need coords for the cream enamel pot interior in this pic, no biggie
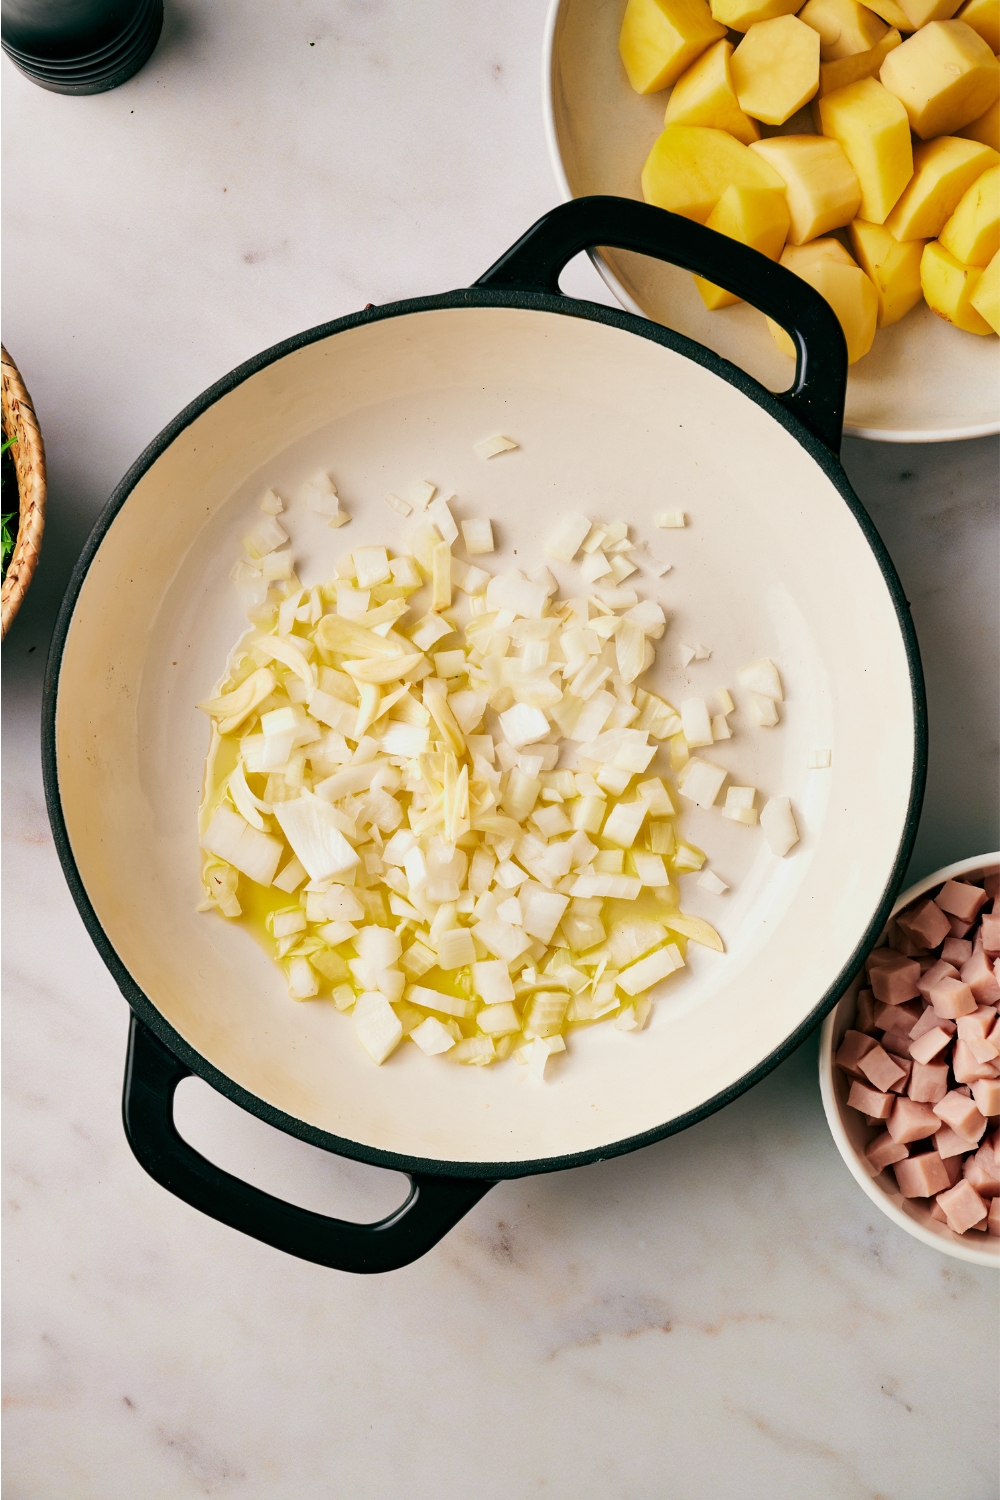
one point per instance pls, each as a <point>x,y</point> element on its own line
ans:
<point>614,415</point>
<point>921,382</point>
<point>852,1134</point>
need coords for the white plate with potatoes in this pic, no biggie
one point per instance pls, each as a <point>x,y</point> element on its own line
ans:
<point>922,379</point>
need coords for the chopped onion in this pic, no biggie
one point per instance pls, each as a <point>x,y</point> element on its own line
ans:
<point>477,534</point>
<point>818,760</point>
<point>490,447</point>
<point>778,823</point>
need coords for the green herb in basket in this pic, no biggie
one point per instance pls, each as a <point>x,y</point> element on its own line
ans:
<point>8,521</point>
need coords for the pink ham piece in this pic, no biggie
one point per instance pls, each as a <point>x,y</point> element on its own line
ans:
<point>897,1017</point>
<point>991,884</point>
<point>925,923</point>
<point>977,1027</point>
<point>966,1066</point>
<point>928,1022</point>
<point>938,1213</point>
<point>963,1206</point>
<point>989,931</point>
<point>981,1171</point>
<point>930,977</point>
<point>883,1151</point>
<point>880,1069</point>
<point>948,1143</point>
<point>895,980</point>
<point>928,1082</point>
<point>929,1044</point>
<point>958,927</point>
<point>951,998</point>
<point>921,1176</point>
<point>877,1106</point>
<point>902,1084</point>
<point>986,1093</point>
<point>993,1220</point>
<point>961,1114</point>
<point>864,1019</point>
<point>878,956</point>
<point>910,1121</point>
<point>978,974</point>
<point>961,900</point>
<point>852,1049</point>
<point>956,951</point>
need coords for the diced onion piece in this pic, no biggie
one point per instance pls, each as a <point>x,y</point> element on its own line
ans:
<point>569,536</point>
<point>701,781</point>
<point>401,507</point>
<point>763,711</point>
<point>499,1020</point>
<point>231,838</point>
<point>378,1027</point>
<point>523,725</point>
<point>455,948</point>
<point>443,519</point>
<point>432,1037</point>
<point>623,822</point>
<point>725,700</point>
<point>475,1051</point>
<point>271,503</point>
<point>371,564</point>
<point>762,677</point>
<point>594,566</point>
<point>709,881</point>
<point>720,728</point>
<point>423,493</point>
<point>447,1005</point>
<point>477,534</point>
<point>818,760</point>
<point>310,826</point>
<point>778,823</point>
<point>687,654</point>
<point>696,723</point>
<point>291,877</point>
<point>670,519</point>
<point>640,976</point>
<point>302,980</point>
<point>739,806</point>
<point>265,537</point>
<point>649,617</point>
<point>490,447</point>
<point>429,629</point>
<point>468,579</point>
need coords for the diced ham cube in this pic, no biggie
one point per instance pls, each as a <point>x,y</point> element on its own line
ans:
<point>978,974</point>
<point>921,1176</point>
<point>948,1142</point>
<point>908,947</point>
<point>981,1171</point>
<point>989,930</point>
<point>928,1022</point>
<point>925,923</point>
<point>928,1082</point>
<point>897,1016</point>
<point>963,1206</point>
<point>961,1114</point>
<point>895,980</point>
<point>871,1102</point>
<point>939,970</point>
<point>966,1066</point>
<point>978,1026</point>
<point>953,1164</point>
<point>929,1044</point>
<point>937,1212</point>
<point>902,1084</point>
<point>878,956</point>
<point>880,1069</point>
<point>864,1017</point>
<point>851,1050</point>
<point>986,1093</point>
<point>952,998</point>
<point>911,1121</point>
<point>956,951</point>
<point>991,884</point>
<point>958,927</point>
<point>983,1051</point>
<point>993,1219</point>
<point>961,900</point>
<point>883,1151</point>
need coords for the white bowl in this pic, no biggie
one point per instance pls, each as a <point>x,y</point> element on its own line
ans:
<point>852,1134</point>
<point>922,382</point>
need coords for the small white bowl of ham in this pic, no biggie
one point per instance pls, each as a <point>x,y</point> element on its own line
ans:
<point>910,1064</point>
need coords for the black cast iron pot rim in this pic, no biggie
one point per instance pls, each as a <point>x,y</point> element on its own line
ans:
<point>477,297</point>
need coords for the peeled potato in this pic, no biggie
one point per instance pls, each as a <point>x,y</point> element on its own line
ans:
<point>757,217</point>
<point>776,69</point>
<point>704,95</point>
<point>986,128</point>
<point>972,234</point>
<point>845,70</point>
<point>892,268</point>
<point>921,12</point>
<point>986,296</point>
<point>871,125</point>
<point>821,186</point>
<point>949,286</point>
<point>691,166</point>
<point>845,27</point>
<point>942,172</point>
<point>843,284</point>
<point>945,76</point>
<point>984,17</point>
<point>892,13</point>
<point>660,38</point>
<point>740,15</point>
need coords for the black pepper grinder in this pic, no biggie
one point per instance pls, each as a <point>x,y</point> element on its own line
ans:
<point>80,46</point>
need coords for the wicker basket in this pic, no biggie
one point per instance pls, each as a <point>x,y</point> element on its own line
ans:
<point>28,453</point>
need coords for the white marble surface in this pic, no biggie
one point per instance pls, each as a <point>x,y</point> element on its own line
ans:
<point>720,1315</point>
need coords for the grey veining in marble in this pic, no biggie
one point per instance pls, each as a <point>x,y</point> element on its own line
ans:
<point>723,1314</point>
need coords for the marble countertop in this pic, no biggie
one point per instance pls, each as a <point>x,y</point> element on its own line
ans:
<point>723,1314</point>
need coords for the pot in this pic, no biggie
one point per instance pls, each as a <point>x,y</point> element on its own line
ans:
<point>615,415</point>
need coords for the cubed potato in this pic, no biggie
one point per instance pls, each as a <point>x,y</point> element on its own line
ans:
<point>943,170</point>
<point>705,95</point>
<point>871,125</point>
<point>740,15</point>
<point>690,167</point>
<point>945,76</point>
<point>984,17</point>
<point>660,38</point>
<point>776,69</point>
<point>921,12</point>
<point>757,217</point>
<point>837,75</point>
<point>949,286</point>
<point>821,186</point>
<point>986,128</point>
<point>972,234</point>
<point>845,27</point>
<point>892,13</point>
<point>892,268</point>
<point>827,266</point>
<point>986,296</point>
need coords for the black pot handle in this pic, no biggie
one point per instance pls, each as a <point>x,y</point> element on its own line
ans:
<point>817,393</point>
<point>434,1206</point>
